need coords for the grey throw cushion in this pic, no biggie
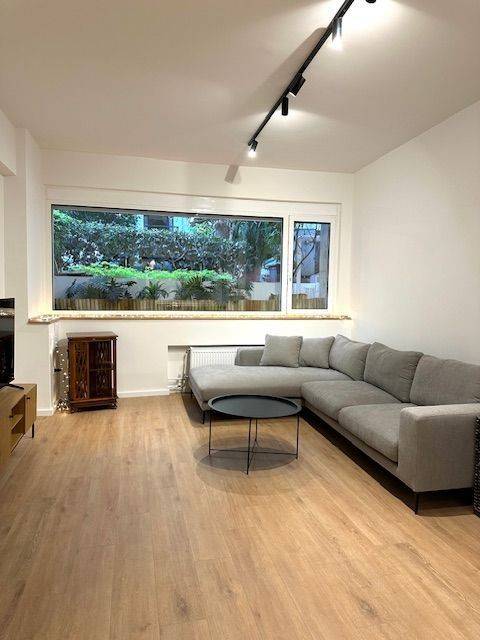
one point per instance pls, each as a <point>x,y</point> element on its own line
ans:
<point>281,351</point>
<point>315,352</point>
<point>349,357</point>
<point>391,370</point>
<point>439,381</point>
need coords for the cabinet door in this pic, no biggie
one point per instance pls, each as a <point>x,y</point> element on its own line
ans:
<point>30,407</point>
<point>78,369</point>
<point>4,438</point>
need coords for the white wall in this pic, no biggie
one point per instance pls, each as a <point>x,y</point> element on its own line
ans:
<point>25,244</point>
<point>416,256</point>
<point>2,239</point>
<point>143,345</point>
<point>8,161</point>
<point>8,165</point>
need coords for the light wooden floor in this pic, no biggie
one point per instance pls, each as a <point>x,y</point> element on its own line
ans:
<point>115,525</point>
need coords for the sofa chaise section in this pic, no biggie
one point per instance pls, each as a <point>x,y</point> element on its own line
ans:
<point>211,381</point>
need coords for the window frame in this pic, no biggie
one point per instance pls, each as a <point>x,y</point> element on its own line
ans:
<point>289,212</point>
<point>332,220</point>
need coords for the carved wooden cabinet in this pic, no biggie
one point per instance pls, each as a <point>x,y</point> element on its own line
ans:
<point>92,366</point>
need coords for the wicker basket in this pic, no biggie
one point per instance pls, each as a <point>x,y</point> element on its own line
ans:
<point>476,480</point>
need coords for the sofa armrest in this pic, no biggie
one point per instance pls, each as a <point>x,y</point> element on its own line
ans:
<point>249,356</point>
<point>436,446</point>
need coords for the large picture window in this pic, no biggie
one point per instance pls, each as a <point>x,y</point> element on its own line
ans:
<point>110,259</point>
<point>201,259</point>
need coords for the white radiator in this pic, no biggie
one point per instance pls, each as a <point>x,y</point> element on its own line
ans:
<point>202,356</point>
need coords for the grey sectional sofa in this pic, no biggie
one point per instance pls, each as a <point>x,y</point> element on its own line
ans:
<point>413,414</point>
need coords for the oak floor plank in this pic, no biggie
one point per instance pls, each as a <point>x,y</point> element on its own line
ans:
<point>116,525</point>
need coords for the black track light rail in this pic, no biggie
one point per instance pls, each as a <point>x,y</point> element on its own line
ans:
<point>325,36</point>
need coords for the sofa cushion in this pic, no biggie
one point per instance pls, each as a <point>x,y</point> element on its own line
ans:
<point>377,425</point>
<point>315,352</point>
<point>440,381</point>
<point>349,357</point>
<point>211,381</point>
<point>391,370</point>
<point>332,396</point>
<point>281,351</point>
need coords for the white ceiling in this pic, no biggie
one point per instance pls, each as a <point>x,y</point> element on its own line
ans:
<point>191,80</point>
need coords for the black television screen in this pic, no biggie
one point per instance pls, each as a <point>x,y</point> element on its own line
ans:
<point>7,340</point>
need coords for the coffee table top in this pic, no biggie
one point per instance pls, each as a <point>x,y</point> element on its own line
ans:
<point>255,406</point>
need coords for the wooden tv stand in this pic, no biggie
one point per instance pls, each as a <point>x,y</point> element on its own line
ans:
<point>18,412</point>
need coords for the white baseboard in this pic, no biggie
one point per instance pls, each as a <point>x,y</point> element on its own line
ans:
<point>144,393</point>
<point>46,411</point>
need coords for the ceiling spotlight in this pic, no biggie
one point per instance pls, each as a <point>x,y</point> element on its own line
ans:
<point>337,35</point>
<point>296,85</point>
<point>371,1</point>
<point>252,152</point>
<point>285,106</point>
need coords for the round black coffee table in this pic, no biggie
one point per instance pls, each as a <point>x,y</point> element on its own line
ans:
<point>254,407</point>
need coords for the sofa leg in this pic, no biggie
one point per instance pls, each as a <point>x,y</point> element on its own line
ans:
<point>203,416</point>
<point>416,502</point>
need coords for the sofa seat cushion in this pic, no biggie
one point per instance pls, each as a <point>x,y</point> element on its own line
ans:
<point>377,425</point>
<point>211,381</point>
<point>332,396</point>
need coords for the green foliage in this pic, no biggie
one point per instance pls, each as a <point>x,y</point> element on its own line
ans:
<point>262,239</point>
<point>100,287</point>
<point>194,287</point>
<point>116,271</point>
<point>153,291</point>
<point>90,242</point>
<point>222,290</point>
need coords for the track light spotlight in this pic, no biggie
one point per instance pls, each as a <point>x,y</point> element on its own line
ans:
<point>337,34</point>
<point>333,31</point>
<point>296,85</point>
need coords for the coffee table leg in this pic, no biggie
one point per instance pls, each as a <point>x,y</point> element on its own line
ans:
<point>248,448</point>
<point>210,434</point>
<point>298,433</point>
<point>256,431</point>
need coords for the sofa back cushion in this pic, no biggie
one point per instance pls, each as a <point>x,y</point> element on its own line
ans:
<point>439,381</point>
<point>349,357</point>
<point>391,370</point>
<point>315,352</point>
<point>281,351</point>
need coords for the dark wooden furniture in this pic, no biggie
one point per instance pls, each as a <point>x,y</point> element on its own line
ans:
<point>92,366</point>
<point>18,412</point>
<point>476,479</point>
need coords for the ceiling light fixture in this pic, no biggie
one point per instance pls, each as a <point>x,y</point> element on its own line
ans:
<point>337,35</point>
<point>294,86</point>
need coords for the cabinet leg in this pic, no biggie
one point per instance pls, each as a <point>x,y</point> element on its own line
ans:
<point>33,430</point>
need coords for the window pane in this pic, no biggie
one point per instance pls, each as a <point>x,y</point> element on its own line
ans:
<point>141,260</point>
<point>311,249</point>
